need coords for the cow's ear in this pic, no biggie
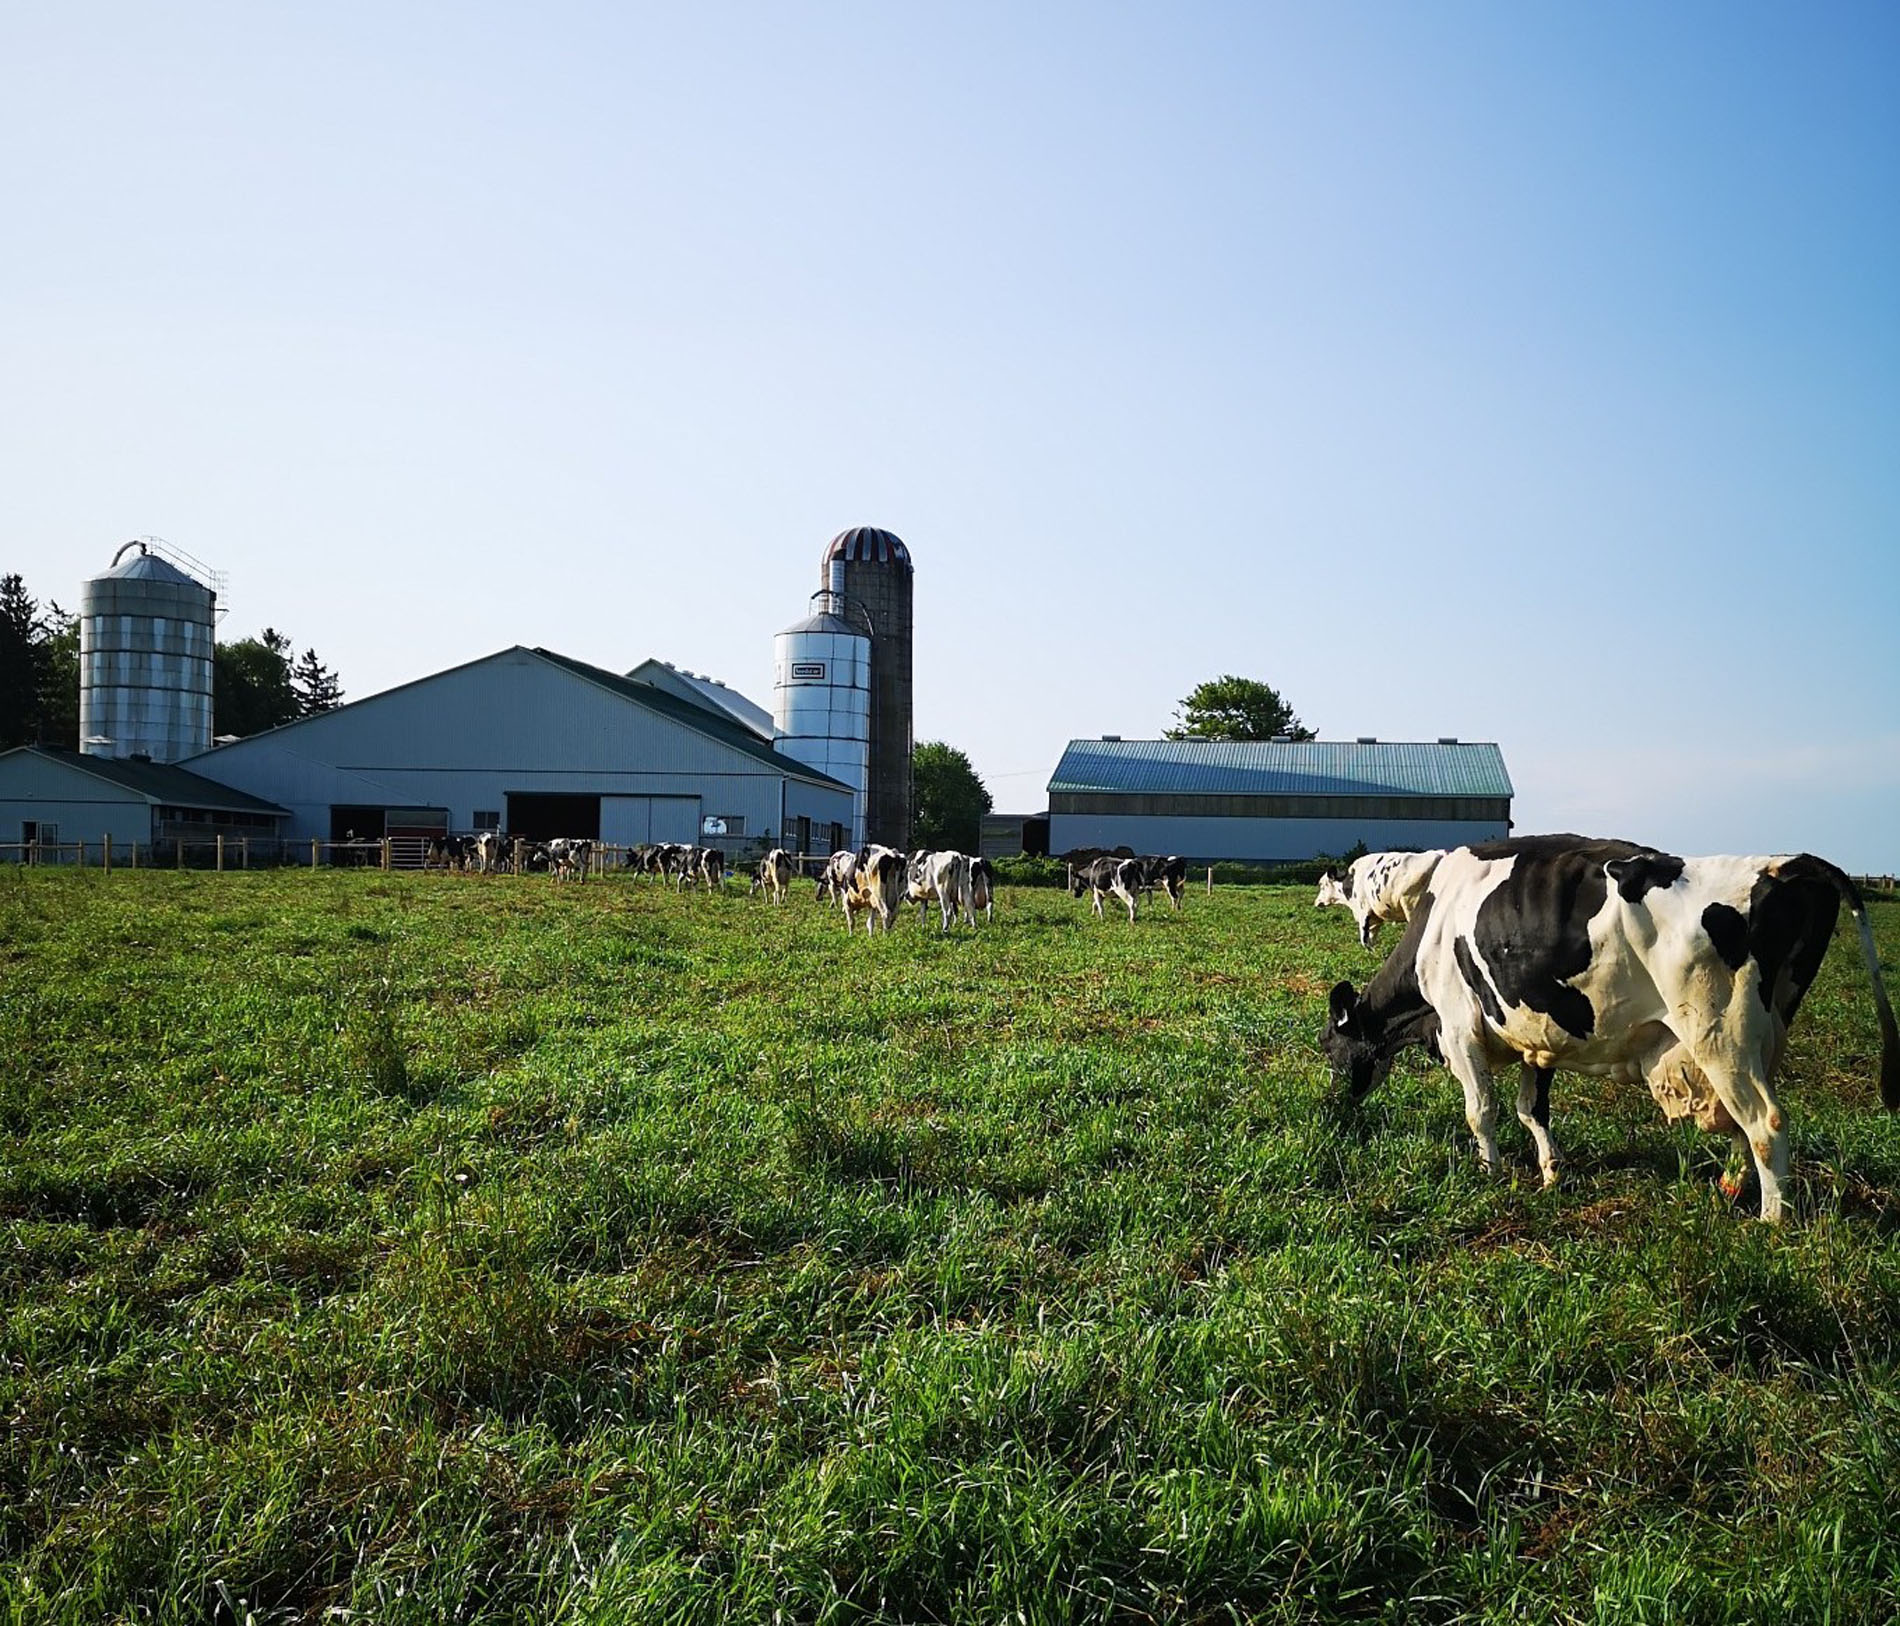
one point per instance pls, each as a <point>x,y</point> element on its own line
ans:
<point>1342,1002</point>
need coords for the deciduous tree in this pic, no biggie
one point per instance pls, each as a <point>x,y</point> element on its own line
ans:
<point>1236,708</point>
<point>949,798</point>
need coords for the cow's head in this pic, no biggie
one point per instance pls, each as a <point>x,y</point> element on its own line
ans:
<point>1330,891</point>
<point>1077,885</point>
<point>1354,1042</point>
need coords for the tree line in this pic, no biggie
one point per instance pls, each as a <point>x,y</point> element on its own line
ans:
<point>257,683</point>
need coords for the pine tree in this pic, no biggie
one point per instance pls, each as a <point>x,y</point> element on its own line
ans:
<point>21,629</point>
<point>315,685</point>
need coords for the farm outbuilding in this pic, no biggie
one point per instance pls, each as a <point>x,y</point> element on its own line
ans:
<point>51,797</point>
<point>538,745</point>
<point>1277,801</point>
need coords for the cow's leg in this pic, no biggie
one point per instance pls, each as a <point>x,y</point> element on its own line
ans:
<point>1466,1061</point>
<point>1533,1112</point>
<point>1368,929</point>
<point>1759,1124</point>
<point>1129,899</point>
<point>1096,898</point>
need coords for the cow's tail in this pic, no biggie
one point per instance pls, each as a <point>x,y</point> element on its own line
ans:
<point>1889,1032</point>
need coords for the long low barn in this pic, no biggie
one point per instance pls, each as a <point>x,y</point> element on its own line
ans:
<point>1276,801</point>
<point>539,745</point>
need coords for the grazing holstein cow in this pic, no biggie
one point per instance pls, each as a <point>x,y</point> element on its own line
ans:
<point>1379,887</point>
<point>839,868</point>
<point>1607,958</point>
<point>983,887</point>
<point>875,888</point>
<point>1169,873</point>
<point>944,876</point>
<point>570,857</point>
<point>777,870</point>
<point>448,852</point>
<point>709,866</point>
<point>1107,877</point>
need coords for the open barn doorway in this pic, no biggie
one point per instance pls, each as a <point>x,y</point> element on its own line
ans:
<point>544,815</point>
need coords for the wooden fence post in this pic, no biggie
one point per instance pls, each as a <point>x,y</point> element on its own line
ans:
<point>179,848</point>
<point>313,852</point>
<point>385,852</point>
<point>244,852</point>
<point>135,855</point>
<point>1210,880</point>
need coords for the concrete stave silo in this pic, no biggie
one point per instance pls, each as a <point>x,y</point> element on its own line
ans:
<point>871,570</point>
<point>147,632</point>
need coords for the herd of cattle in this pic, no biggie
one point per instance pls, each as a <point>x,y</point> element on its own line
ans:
<point>1556,952</point>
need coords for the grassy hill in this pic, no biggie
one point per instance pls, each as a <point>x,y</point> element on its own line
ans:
<point>423,1248</point>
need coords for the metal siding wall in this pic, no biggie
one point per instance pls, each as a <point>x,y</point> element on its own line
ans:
<point>463,739</point>
<point>125,822</point>
<point>1265,840</point>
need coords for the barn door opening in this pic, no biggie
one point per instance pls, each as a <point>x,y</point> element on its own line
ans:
<point>544,815</point>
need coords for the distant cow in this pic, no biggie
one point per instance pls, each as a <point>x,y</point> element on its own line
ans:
<point>1607,958</point>
<point>488,851</point>
<point>570,857</point>
<point>448,852</point>
<point>839,869</point>
<point>1379,887</point>
<point>1169,873</point>
<point>983,886</point>
<point>776,871</point>
<point>1107,877</point>
<point>944,876</point>
<point>875,888</point>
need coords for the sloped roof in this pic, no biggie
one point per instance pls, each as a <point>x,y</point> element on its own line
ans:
<point>160,782</point>
<point>1295,768</point>
<point>694,686</point>
<point>703,719</point>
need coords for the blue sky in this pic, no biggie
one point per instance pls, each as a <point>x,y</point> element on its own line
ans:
<point>1516,373</point>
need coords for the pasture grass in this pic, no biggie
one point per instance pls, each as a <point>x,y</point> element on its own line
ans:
<point>419,1248</point>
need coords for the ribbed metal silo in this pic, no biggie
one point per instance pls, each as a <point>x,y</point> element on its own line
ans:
<point>871,569</point>
<point>821,698</point>
<point>146,634</point>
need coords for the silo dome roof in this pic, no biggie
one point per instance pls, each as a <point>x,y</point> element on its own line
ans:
<point>824,621</point>
<point>148,567</point>
<point>866,544</point>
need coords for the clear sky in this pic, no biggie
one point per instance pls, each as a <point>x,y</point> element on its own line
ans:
<point>1525,373</point>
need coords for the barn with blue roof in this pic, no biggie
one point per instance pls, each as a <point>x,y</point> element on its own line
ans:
<point>1276,801</point>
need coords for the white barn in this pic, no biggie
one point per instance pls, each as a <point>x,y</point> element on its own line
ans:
<point>1276,801</point>
<point>51,797</point>
<point>538,745</point>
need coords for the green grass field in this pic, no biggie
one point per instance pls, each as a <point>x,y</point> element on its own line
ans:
<point>418,1249</point>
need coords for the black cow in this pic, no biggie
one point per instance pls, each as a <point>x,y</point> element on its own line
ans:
<point>1169,873</point>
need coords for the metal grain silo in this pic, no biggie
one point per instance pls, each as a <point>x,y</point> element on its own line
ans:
<point>821,698</point>
<point>871,571</point>
<point>146,634</point>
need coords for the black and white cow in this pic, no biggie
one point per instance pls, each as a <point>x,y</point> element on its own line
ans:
<point>1379,887</point>
<point>1607,958</point>
<point>776,872</point>
<point>488,851</point>
<point>944,876</point>
<point>983,887</point>
<point>837,873</point>
<point>1107,877</point>
<point>449,852</point>
<point>1169,873</point>
<point>875,888</point>
<point>570,857</point>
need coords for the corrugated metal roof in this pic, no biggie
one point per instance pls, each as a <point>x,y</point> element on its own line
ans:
<point>1297,768</point>
<point>161,782</point>
<point>717,725</point>
<point>868,544</point>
